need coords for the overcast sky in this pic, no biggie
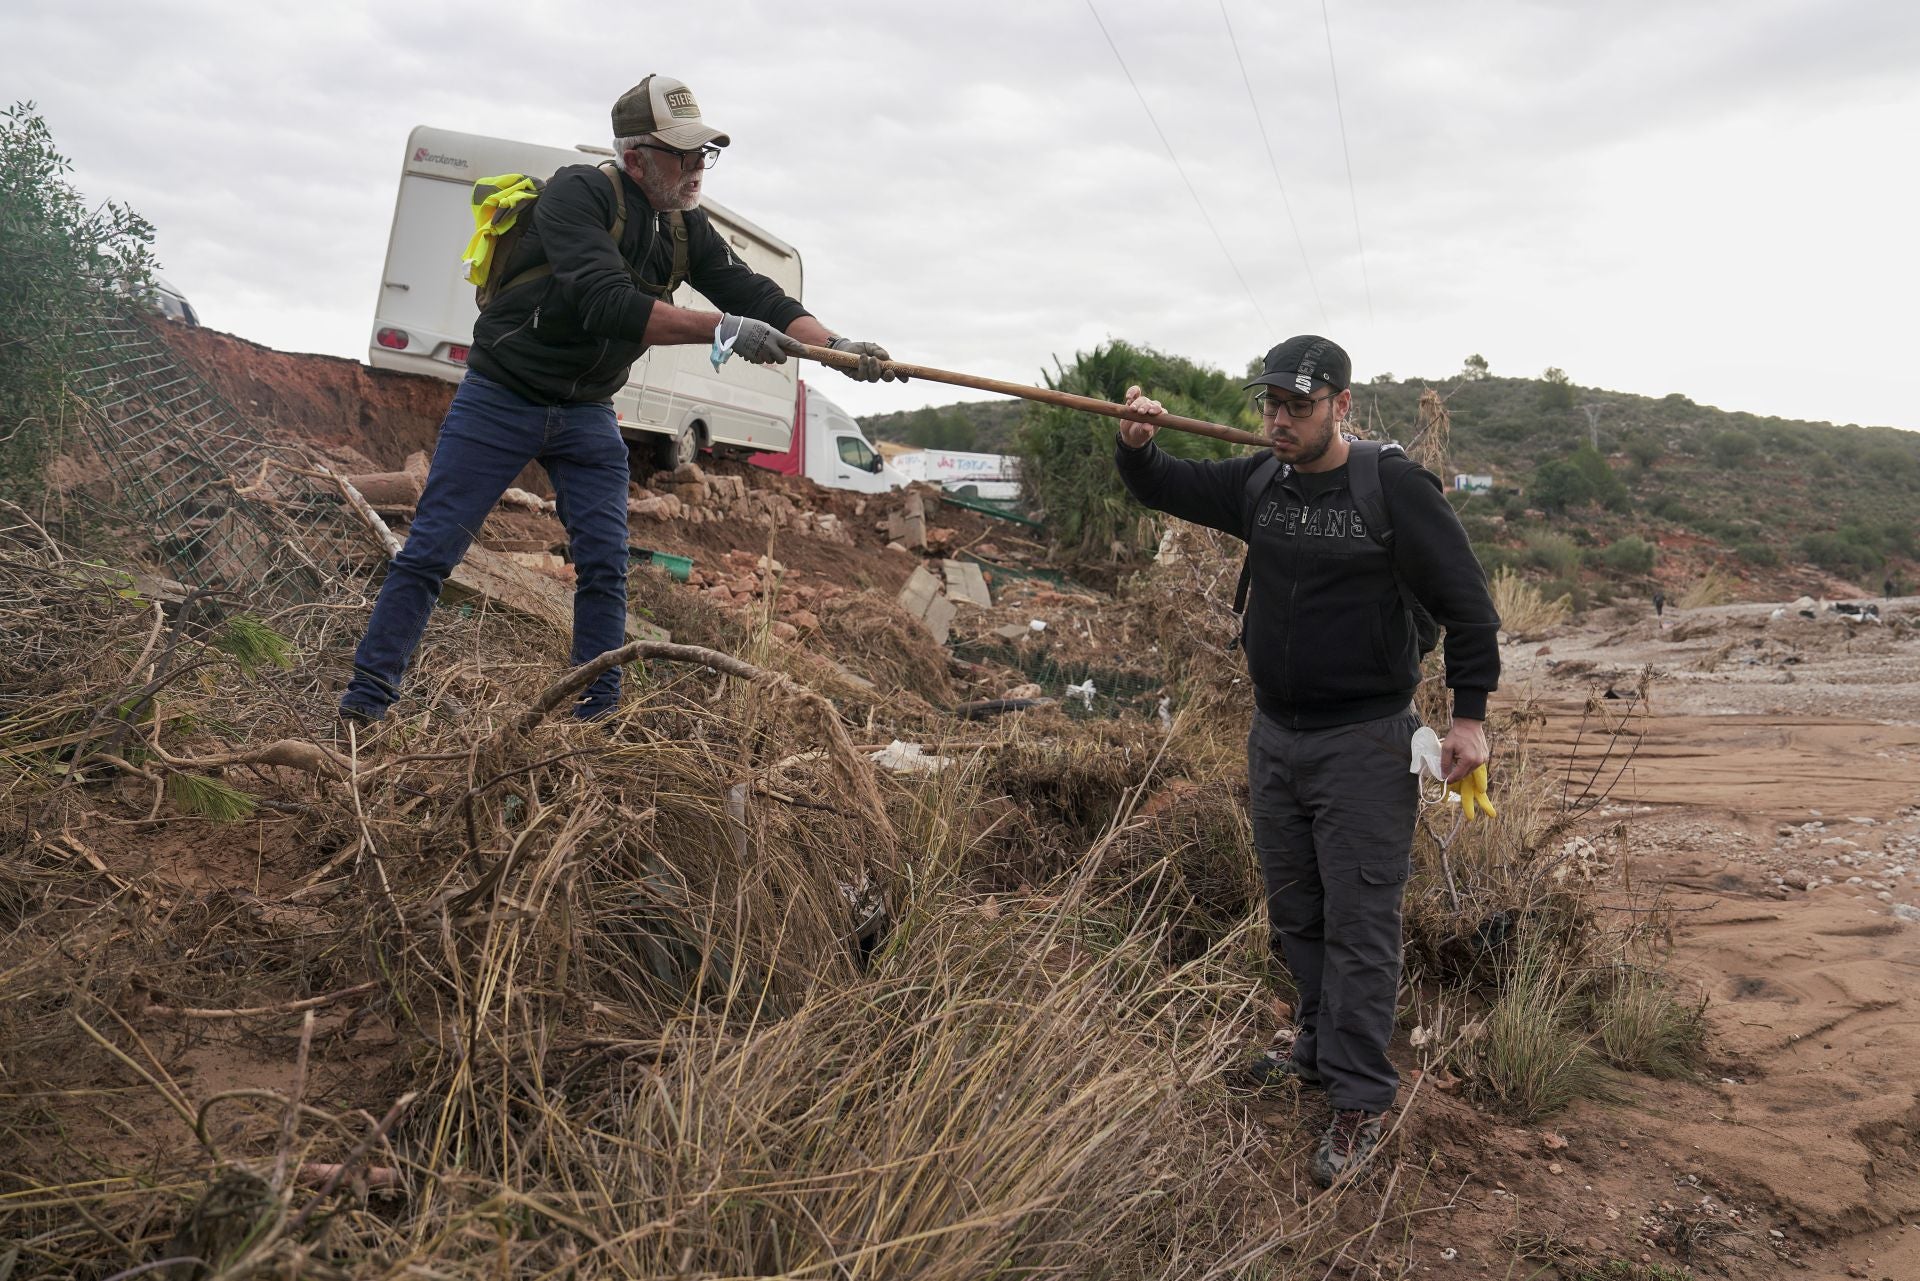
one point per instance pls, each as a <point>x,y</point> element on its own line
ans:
<point>1718,199</point>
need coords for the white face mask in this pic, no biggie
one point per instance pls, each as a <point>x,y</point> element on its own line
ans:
<point>1426,755</point>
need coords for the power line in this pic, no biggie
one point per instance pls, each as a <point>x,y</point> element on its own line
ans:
<point>1352,195</point>
<point>1274,164</point>
<point>1180,169</point>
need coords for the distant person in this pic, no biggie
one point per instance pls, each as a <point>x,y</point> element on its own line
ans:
<point>548,354</point>
<point>1887,589</point>
<point>1333,647</point>
<point>1659,602</point>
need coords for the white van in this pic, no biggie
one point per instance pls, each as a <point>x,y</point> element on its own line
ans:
<point>423,320</point>
<point>995,477</point>
<point>831,450</point>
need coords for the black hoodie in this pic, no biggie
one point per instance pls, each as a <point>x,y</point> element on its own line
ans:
<point>571,337</point>
<point>1329,639</point>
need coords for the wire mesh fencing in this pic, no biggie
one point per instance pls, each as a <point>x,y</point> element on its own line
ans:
<point>228,510</point>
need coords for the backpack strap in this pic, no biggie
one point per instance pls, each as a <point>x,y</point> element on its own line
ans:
<point>1363,483</point>
<point>682,251</point>
<point>676,226</point>
<point>1258,482</point>
<point>618,229</point>
<point>682,255</point>
<point>1370,497</point>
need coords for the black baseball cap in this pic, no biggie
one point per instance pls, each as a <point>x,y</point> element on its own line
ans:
<point>1298,363</point>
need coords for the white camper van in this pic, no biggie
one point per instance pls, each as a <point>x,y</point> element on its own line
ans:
<point>423,321</point>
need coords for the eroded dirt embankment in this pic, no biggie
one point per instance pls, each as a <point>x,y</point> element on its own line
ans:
<point>327,399</point>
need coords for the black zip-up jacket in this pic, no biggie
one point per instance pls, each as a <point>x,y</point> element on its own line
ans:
<point>571,337</point>
<point>1329,639</point>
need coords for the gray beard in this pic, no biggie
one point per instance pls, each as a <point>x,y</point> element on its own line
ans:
<point>666,198</point>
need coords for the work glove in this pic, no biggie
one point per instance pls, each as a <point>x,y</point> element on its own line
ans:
<point>1473,791</point>
<point>752,340</point>
<point>869,369</point>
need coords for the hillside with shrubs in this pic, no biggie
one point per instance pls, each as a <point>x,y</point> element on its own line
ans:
<point>1598,495</point>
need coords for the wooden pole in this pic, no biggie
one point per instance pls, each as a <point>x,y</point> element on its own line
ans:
<point>844,360</point>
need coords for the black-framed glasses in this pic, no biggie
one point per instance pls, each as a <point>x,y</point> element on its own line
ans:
<point>706,157</point>
<point>1269,404</point>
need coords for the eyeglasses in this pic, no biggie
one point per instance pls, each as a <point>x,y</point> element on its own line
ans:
<point>1269,404</point>
<point>705,158</point>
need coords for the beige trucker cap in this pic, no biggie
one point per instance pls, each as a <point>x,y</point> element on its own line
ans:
<point>664,107</point>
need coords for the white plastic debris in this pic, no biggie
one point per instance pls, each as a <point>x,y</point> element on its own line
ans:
<point>908,758</point>
<point>1165,712</point>
<point>1084,692</point>
<point>1038,625</point>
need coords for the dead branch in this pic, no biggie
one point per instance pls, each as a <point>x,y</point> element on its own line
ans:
<point>353,1160</point>
<point>255,1011</point>
<point>320,1172</point>
<point>58,556</point>
<point>287,753</point>
<point>389,542</point>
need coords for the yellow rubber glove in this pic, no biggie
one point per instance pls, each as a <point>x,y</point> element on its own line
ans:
<point>1473,791</point>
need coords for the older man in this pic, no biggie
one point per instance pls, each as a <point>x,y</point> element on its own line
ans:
<point>549,351</point>
<point>1344,537</point>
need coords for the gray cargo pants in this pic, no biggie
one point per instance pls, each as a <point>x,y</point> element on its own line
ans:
<point>1333,813</point>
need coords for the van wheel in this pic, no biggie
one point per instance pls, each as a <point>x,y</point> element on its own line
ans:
<point>677,449</point>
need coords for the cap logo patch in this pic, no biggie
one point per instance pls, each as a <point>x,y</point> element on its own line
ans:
<point>1303,383</point>
<point>681,106</point>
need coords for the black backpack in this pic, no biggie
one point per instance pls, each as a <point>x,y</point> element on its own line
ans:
<point>1363,482</point>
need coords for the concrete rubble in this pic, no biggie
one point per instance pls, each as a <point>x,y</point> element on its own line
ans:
<point>935,599</point>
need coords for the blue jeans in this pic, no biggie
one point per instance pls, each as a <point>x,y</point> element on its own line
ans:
<point>489,434</point>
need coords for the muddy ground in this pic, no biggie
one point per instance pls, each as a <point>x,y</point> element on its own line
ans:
<point>1773,801</point>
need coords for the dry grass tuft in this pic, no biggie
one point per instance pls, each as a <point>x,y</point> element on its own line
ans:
<point>1525,612</point>
<point>1711,588</point>
<point>1528,1056</point>
<point>1642,1025</point>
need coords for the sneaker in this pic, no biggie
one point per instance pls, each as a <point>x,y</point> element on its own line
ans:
<point>1346,1145</point>
<point>1273,1069</point>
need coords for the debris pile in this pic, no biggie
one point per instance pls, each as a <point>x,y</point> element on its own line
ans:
<point>692,495</point>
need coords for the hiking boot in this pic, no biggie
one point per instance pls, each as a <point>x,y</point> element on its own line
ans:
<point>1275,1069</point>
<point>1346,1145</point>
<point>354,729</point>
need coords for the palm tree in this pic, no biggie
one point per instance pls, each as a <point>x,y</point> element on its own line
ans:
<point>1067,457</point>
